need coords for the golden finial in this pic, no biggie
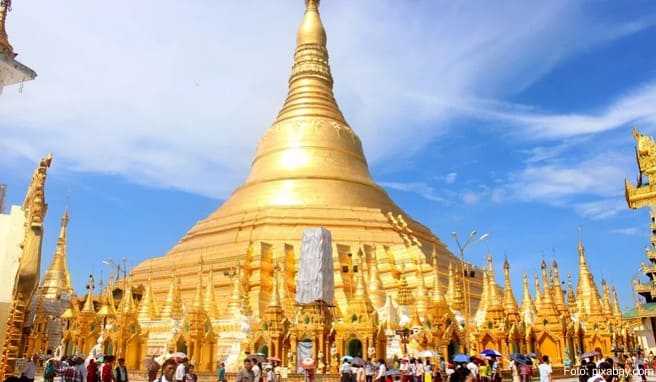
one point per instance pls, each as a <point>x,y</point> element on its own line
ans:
<point>617,311</point>
<point>173,304</point>
<point>588,301</point>
<point>423,300</point>
<point>528,309</point>
<point>376,290</point>
<point>311,84</point>
<point>275,294</point>
<point>235,303</point>
<point>57,279</point>
<point>494,302</point>
<point>438,300</point>
<point>127,301</point>
<point>509,302</point>
<point>606,299</point>
<point>556,288</point>
<point>148,307</point>
<point>404,296</point>
<point>209,302</point>
<point>88,306</point>
<point>481,312</point>
<point>538,291</point>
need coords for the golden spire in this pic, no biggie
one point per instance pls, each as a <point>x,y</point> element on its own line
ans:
<point>376,290</point>
<point>311,84</point>
<point>127,305</point>
<point>494,302</point>
<point>197,302</point>
<point>557,289</point>
<point>440,306</point>
<point>547,306</point>
<point>360,302</point>
<point>453,292</point>
<point>538,292</point>
<point>509,302</point>
<point>571,294</point>
<point>587,298</point>
<point>528,310</point>
<point>148,307</point>
<point>479,316</point>
<point>404,296</point>
<point>88,306</point>
<point>173,304</point>
<point>617,311</point>
<point>235,303</point>
<point>275,294</point>
<point>606,299</point>
<point>423,300</point>
<point>57,280</point>
<point>5,47</point>
<point>209,302</point>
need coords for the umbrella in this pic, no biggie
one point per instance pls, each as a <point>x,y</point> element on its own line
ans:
<point>532,355</point>
<point>392,372</point>
<point>490,353</point>
<point>426,354</point>
<point>460,358</point>
<point>589,354</point>
<point>357,361</point>
<point>520,358</point>
<point>347,358</point>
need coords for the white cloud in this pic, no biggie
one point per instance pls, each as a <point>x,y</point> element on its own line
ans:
<point>601,209</point>
<point>424,190</point>
<point>471,197</point>
<point>601,176</point>
<point>634,107</point>
<point>450,178</point>
<point>176,94</point>
<point>629,231</point>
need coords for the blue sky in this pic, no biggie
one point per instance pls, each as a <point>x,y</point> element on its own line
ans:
<point>512,118</point>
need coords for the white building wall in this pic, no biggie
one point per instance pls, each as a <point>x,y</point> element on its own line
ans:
<point>12,232</point>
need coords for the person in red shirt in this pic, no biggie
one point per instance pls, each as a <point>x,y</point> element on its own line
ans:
<point>92,370</point>
<point>107,370</point>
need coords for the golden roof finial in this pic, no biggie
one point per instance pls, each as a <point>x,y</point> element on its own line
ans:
<point>376,289</point>
<point>209,302</point>
<point>587,298</point>
<point>148,307</point>
<point>606,299</point>
<point>438,300</point>
<point>5,47</point>
<point>617,311</point>
<point>481,312</point>
<point>494,302</point>
<point>311,84</point>
<point>509,302</point>
<point>57,279</point>
<point>404,294</point>
<point>235,303</point>
<point>423,299</point>
<point>528,309</point>
<point>275,294</point>
<point>88,306</point>
<point>538,291</point>
<point>557,289</point>
<point>173,305</point>
<point>127,305</point>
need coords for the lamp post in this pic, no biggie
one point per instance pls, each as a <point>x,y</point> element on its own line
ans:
<point>471,239</point>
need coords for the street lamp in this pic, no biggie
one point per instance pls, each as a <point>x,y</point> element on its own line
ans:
<point>471,240</point>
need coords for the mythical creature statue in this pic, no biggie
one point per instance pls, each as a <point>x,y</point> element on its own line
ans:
<point>645,155</point>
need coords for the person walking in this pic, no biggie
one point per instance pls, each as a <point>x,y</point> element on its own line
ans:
<point>526,371</point>
<point>221,373</point>
<point>121,372</point>
<point>29,370</point>
<point>369,370</point>
<point>345,371</point>
<point>545,370</point>
<point>169,369</point>
<point>92,371</point>
<point>246,373</point>
<point>190,376</point>
<point>382,371</point>
<point>106,372</point>
<point>181,369</point>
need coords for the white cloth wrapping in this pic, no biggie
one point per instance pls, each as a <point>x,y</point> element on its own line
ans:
<point>314,281</point>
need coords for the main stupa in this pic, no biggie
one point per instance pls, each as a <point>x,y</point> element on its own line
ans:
<point>309,170</point>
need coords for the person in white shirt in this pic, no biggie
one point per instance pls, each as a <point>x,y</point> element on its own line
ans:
<point>181,370</point>
<point>257,371</point>
<point>473,368</point>
<point>382,370</point>
<point>545,369</point>
<point>29,371</point>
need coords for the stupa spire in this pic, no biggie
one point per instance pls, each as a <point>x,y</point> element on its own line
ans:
<point>376,290</point>
<point>148,307</point>
<point>528,310</point>
<point>538,292</point>
<point>235,303</point>
<point>440,307</point>
<point>311,83</point>
<point>571,294</point>
<point>275,294</point>
<point>587,298</point>
<point>453,292</point>
<point>173,305</point>
<point>127,301</point>
<point>423,299</point>
<point>404,296</point>
<point>617,311</point>
<point>57,279</point>
<point>209,302</point>
<point>494,302</point>
<point>88,306</point>
<point>197,302</point>
<point>509,302</point>
<point>557,289</point>
<point>606,299</point>
<point>479,316</point>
